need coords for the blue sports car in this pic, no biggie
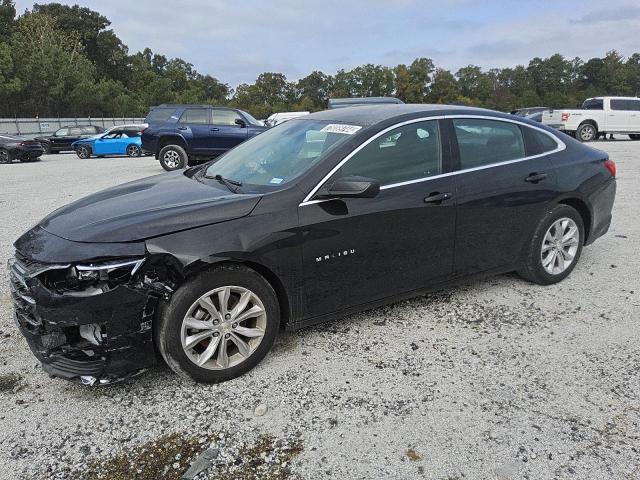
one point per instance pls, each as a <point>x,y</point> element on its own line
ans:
<point>124,141</point>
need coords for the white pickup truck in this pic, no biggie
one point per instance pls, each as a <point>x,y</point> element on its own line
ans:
<point>600,115</point>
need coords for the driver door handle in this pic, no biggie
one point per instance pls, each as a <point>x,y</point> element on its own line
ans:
<point>536,177</point>
<point>215,129</point>
<point>437,197</point>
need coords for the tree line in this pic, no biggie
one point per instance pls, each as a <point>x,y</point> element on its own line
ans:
<point>60,60</point>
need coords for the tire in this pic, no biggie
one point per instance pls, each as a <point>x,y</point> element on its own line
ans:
<point>47,148</point>
<point>171,332</point>
<point>83,151</point>
<point>545,236</point>
<point>134,151</point>
<point>587,132</point>
<point>173,157</point>
<point>634,136</point>
<point>5,158</point>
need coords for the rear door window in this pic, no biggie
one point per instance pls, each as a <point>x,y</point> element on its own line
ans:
<point>199,116</point>
<point>75,131</point>
<point>484,142</point>
<point>593,104</point>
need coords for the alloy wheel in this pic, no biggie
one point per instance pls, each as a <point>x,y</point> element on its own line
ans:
<point>132,151</point>
<point>4,156</point>
<point>560,246</point>
<point>171,159</point>
<point>587,133</point>
<point>223,327</point>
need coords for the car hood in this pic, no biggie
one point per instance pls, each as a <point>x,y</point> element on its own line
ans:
<point>147,208</point>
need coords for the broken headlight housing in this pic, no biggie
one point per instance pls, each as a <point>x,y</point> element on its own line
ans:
<point>93,278</point>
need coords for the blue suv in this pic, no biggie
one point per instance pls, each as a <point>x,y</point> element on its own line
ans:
<point>181,135</point>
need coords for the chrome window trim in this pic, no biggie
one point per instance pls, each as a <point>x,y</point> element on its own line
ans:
<point>561,146</point>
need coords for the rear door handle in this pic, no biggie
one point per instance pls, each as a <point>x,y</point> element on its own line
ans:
<point>536,177</point>
<point>183,128</point>
<point>215,129</point>
<point>437,197</point>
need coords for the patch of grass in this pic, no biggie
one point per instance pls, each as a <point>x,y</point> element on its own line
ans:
<point>170,456</point>
<point>155,460</point>
<point>9,382</point>
<point>413,455</point>
<point>264,460</point>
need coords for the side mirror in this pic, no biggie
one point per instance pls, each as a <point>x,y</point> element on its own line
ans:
<point>241,123</point>
<point>353,187</point>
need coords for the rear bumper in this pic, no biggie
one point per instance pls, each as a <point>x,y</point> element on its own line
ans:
<point>602,206</point>
<point>26,153</point>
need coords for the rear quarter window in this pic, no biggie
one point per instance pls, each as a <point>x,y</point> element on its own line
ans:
<point>538,142</point>
<point>159,115</point>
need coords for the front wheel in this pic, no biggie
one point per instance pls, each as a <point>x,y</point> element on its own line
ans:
<point>83,152</point>
<point>586,132</point>
<point>218,325</point>
<point>173,157</point>
<point>555,248</point>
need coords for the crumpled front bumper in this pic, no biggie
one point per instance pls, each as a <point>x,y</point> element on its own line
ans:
<point>96,339</point>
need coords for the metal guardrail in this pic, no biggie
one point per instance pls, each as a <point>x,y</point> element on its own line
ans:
<point>31,127</point>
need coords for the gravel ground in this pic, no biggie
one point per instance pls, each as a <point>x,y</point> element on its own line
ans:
<point>498,379</point>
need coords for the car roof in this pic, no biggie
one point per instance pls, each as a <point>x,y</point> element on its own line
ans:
<point>367,115</point>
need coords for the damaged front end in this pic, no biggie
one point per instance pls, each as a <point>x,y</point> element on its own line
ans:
<point>88,321</point>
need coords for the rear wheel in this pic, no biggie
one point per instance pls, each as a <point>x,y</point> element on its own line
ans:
<point>586,132</point>
<point>134,151</point>
<point>4,156</point>
<point>173,157</point>
<point>634,136</point>
<point>218,325</point>
<point>83,151</point>
<point>556,246</point>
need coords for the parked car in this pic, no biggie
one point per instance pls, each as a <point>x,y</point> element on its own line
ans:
<point>61,140</point>
<point>13,147</point>
<point>181,135</point>
<point>524,112</point>
<point>118,141</point>
<point>207,265</point>
<point>356,102</point>
<point>536,117</point>
<point>129,126</point>
<point>598,117</point>
<point>278,118</point>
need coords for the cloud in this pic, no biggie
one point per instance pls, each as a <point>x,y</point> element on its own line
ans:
<point>236,41</point>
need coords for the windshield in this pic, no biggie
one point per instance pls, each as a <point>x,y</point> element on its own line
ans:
<point>282,153</point>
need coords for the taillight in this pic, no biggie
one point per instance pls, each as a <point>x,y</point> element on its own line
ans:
<point>565,116</point>
<point>611,166</point>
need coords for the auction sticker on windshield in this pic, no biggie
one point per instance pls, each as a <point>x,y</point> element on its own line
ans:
<point>341,128</point>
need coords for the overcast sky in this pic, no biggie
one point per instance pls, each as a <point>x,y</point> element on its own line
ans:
<point>237,40</point>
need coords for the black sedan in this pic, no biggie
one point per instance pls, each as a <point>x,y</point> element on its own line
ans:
<point>321,216</point>
<point>13,148</point>
<point>62,139</point>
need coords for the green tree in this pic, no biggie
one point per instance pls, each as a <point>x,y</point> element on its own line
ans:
<point>444,88</point>
<point>7,19</point>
